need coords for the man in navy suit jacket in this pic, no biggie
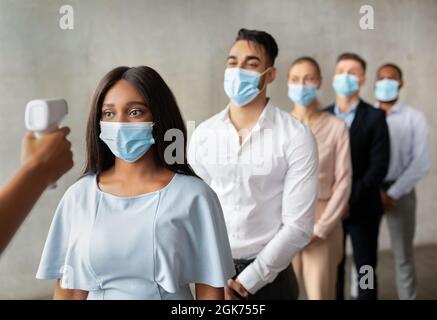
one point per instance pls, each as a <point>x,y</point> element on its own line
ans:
<point>370,149</point>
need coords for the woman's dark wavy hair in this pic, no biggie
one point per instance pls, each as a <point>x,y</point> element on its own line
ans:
<point>161,103</point>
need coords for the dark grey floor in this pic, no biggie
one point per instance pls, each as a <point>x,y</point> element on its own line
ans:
<point>426,268</point>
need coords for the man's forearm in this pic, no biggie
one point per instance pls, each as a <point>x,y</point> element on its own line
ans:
<point>410,177</point>
<point>274,258</point>
<point>17,199</point>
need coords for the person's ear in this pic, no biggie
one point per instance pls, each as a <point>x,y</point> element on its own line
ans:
<point>363,80</point>
<point>401,84</point>
<point>319,83</point>
<point>271,75</point>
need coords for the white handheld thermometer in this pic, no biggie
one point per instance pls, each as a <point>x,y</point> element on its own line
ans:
<point>43,116</point>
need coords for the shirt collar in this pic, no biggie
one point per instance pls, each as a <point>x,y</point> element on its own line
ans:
<point>396,107</point>
<point>266,115</point>
<point>352,110</point>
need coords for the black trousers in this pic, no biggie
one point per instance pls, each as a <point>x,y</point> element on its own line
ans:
<point>284,287</point>
<point>364,237</point>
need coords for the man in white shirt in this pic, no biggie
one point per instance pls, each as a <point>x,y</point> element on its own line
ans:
<point>409,162</point>
<point>263,164</point>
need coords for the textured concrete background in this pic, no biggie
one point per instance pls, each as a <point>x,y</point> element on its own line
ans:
<point>187,42</point>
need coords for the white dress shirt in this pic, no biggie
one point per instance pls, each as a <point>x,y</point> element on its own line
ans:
<point>267,187</point>
<point>409,149</point>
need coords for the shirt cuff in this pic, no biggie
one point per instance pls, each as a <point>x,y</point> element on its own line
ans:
<point>393,194</point>
<point>250,279</point>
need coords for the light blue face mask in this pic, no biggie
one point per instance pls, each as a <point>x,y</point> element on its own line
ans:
<point>241,85</point>
<point>346,84</point>
<point>302,95</point>
<point>128,141</point>
<point>386,90</point>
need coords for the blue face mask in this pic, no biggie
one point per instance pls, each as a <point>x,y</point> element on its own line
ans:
<point>302,95</point>
<point>128,141</point>
<point>386,90</point>
<point>346,84</point>
<point>241,85</point>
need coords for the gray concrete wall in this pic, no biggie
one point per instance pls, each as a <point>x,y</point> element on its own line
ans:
<point>187,42</point>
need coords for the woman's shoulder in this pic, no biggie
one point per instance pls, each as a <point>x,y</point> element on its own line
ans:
<point>81,187</point>
<point>334,123</point>
<point>187,199</point>
<point>193,185</point>
<point>334,120</point>
<point>189,192</point>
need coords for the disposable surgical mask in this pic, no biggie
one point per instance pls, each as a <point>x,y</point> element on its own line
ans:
<point>128,141</point>
<point>346,84</point>
<point>386,90</point>
<point>302,95</point>
<point>241,86</point>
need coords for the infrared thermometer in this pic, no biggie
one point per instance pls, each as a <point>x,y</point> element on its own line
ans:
<point>43,116</point>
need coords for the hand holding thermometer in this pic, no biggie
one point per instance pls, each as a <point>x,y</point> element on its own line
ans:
<point>43,116</point>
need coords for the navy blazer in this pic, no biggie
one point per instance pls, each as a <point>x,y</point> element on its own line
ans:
<point>370,151</point>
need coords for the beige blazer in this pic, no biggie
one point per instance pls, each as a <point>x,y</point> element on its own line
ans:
<point>335,172</point>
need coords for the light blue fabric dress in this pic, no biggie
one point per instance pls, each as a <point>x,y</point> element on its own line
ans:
<point>150,246</point>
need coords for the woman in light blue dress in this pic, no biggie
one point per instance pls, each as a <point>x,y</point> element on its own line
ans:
<point>139,224</point>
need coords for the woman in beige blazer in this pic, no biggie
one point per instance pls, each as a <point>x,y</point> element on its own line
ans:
<point>316,265</point>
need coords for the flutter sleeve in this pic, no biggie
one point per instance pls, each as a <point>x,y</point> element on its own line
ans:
<point>64,254</point>
<point>192,244</point>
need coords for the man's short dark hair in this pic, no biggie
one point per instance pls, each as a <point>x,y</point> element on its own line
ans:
<point>263,39</point>
<point>391,65</point>
<point>352,56</point>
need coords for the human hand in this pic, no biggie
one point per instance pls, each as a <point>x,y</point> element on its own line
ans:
<point>388,202</point>
<point>346,212</point>
<point>235,291</point>
<point>51,154</point>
